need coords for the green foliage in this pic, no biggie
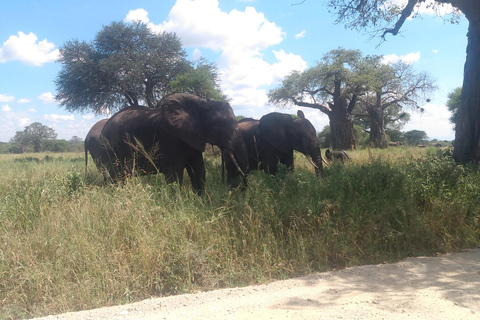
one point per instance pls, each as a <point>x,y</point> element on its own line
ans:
<point>125,64</point>
<point>35,135</point>
<point>201,81</point>
<point>69,243</point>
<point>324,137</point>
<point>453,103</point>
<point>415,137</point>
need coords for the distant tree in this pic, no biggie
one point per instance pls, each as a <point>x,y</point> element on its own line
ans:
<point>126,64</point>
<point>415,137</point>
<point>453,103</point>
<point>61,145</point>
<point>362,138</point>
<point>395,135</point>
<point>332,86</point>
<point>19,142</point>
<point>324,137</point>
<point>76,139</point>
<point>387,17</point>
<point>37,134</point>
<point>201,80</point>
<point>391,88</point>
<point>33,135</point>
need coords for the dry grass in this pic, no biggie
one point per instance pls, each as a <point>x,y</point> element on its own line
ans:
<point>69,243</point>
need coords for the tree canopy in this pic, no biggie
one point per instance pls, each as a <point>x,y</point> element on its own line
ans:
<point>344,81</point>
<point>391,89</point>
<point>128,64</point>
<point>35,134</point>
<point>383,17</point>
<point>331,86</point>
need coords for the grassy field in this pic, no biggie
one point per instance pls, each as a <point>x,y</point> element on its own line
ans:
<point>69,243</point>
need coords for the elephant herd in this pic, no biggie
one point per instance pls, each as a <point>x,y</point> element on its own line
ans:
<point>173,136</point>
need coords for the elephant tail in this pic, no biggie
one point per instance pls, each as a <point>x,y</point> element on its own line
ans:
<point>86,159</point>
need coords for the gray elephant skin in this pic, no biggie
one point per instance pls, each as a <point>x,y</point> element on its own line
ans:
<point>274,137</point>
<point>341,155</point>
<point>93,143</point>
<point>171,138</point>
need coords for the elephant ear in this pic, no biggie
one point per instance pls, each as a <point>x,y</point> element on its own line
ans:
<point>274,129</point>
<point>181,116</point>
<point>300,114</point>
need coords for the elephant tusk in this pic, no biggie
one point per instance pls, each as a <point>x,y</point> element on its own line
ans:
<point>311,162</point>
<point>236,164</point>
<point>325,161</point>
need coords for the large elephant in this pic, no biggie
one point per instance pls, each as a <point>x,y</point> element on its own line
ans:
<point>172,137</point>
<point>273,138</point>
<point>93,143</point>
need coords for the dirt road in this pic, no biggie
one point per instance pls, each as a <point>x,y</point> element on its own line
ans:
<point>443,287</point>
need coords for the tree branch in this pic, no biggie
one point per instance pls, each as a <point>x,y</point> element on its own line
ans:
<point>406,12</point>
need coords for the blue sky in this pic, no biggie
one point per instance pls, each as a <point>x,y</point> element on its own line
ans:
<point>254,43</point>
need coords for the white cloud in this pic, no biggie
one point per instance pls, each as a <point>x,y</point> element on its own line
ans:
<point>197,54</point>
<point>58,117</point>
<point>24,100</point>
<point>409,58</point>
<point>435,51</point>
<point>434,121</point>
<point>88,116</point>
<point>26,49</point>
<point>32,110</point>
<point>137,15</point>
<point>300,35</point>
<point>242,38</point>
<point>47,97</point>
<point>6,98</point>
<point>6,108</point>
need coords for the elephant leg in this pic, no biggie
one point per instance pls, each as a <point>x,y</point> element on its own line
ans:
<point>269,160</point>
<point>287,160</point>
<point>173,169</point>
<point>196,171</point>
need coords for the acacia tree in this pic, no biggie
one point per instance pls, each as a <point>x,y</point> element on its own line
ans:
<point>384,17</point>
<point>35,135</point>
<point>332,86</point>
<point>392,87</point>
<point>126,64</point>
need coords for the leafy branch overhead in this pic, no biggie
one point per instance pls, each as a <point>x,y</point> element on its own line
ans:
<point>129,64</point>
<point>382,17</point>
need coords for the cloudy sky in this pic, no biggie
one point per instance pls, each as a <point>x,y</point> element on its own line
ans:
<point>254,43</point>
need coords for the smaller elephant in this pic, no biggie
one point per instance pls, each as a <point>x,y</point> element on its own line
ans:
<point>395,144</point>
<point>273,138</point>
<point>93,143</point>
<point>337,155</point>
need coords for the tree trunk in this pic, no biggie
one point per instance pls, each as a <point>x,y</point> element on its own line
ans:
<point>467,135</point>
<point>341,128</point>
<point>377,127</point>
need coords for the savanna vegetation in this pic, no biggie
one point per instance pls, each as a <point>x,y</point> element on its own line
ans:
<point>69,243</point>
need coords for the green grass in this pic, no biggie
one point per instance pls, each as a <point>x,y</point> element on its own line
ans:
<point>69,243</point>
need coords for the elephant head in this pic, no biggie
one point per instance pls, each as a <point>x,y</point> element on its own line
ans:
<point>282,134</point>
<point>197,121</point>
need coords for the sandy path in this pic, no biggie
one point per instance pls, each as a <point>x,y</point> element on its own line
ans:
<point>444,287</point>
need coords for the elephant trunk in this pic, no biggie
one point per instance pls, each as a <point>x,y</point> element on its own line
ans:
<point>236,159</point>
<point>316,160</point>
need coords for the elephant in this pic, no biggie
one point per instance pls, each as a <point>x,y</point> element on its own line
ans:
<point>93,143</point>
<point>337,155</point>
<point>171,138</point>
<point>395,144</point>
<point>275,136</point>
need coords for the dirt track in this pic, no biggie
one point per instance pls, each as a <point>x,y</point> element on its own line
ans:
<point>444,287</point>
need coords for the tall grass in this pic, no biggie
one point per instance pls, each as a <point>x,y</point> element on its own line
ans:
<point>69,243</point>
